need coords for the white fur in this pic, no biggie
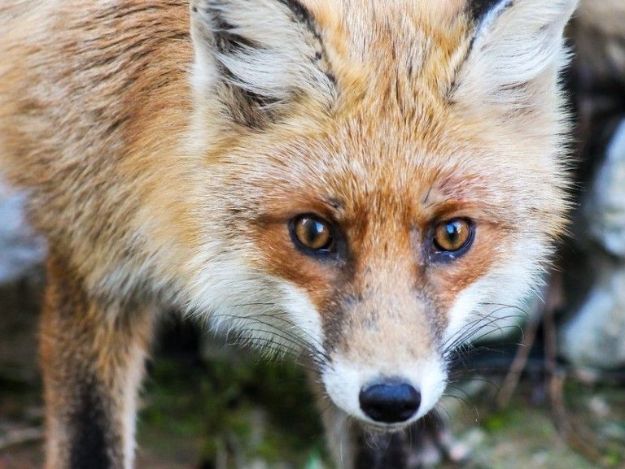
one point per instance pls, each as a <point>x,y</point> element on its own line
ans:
<point>204,72</point>
<point>466,303</point>
<point>259,309</point>
<point>617,145</point>
<point>344,379</point>
<point>245,302</point>
<point>134,376</point>
<point>303,314</point>
<point>498,295</point>
<point>514,45</point>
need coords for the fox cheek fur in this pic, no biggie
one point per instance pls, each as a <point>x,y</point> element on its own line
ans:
<point>170,170</point>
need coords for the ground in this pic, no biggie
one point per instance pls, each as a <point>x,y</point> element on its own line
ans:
<point>235,410</point>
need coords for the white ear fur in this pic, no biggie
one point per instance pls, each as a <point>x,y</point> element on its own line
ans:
<point>266,48</point>
<point>515,45</point>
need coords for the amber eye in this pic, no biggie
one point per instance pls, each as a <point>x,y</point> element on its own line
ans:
<point>453,236</point>
<point>312,233</point>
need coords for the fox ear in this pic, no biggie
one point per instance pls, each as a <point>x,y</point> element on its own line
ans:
<point>517,50</point>
<point>257,56</point>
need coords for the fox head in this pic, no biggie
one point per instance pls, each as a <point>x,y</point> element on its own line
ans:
<point>375,177</point>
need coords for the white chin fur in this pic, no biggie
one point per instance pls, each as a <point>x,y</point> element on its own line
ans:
<point>343,381</point>
<point>497,295</point>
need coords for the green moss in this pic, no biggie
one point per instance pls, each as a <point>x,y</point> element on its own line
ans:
<point>237,408</point>
<point>242,407</point>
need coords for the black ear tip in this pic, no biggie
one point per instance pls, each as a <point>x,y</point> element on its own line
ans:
<point>480,8</point>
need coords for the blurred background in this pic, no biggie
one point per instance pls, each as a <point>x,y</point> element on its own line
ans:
<point>541,388</point>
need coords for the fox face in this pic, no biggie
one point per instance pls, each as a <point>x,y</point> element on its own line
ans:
<point>380,178</point>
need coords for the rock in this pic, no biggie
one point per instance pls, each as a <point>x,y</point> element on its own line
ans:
<point>604,210</point>
<point>21,283</point>
<point>595,336</point>
<point>20,248</point>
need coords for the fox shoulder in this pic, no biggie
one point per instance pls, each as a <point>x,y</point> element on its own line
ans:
<point>83,89</point>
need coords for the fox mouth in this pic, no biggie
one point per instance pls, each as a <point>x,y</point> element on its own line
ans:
<point>376,427</point>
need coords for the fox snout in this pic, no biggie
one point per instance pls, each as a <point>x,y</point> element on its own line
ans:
<point>385,398</point>
<point>385,369</point>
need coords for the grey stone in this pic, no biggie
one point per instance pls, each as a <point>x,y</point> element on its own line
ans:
<point>21,249</point>
<point>21,283</point>
<point>604,210</point>
<point>595,336</point>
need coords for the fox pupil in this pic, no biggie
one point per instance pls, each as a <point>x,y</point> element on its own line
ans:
<point>453,233</point>
<point>313,233</point>
<point>452,236</point>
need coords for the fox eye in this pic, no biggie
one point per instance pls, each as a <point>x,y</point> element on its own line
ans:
<point>311,234</point>
<point>452,238</point>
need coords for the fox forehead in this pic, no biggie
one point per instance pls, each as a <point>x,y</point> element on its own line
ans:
<point>410,25</point>
<point>393,127</point>
<point>394,60</point>
<point>359,167</point>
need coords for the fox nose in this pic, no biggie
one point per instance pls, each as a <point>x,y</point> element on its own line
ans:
<point>390,401</point>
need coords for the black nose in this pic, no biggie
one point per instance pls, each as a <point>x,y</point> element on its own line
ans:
<point>390,401</point>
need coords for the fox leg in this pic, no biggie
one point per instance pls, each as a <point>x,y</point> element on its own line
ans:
<point>92,355</point>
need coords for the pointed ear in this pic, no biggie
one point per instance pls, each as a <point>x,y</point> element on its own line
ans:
<point>516,53</point>
<point>258,56</point>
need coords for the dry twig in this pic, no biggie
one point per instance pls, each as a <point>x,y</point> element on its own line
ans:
<point>20,436</point>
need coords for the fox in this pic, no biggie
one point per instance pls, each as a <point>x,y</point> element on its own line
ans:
<point>357,183</point>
